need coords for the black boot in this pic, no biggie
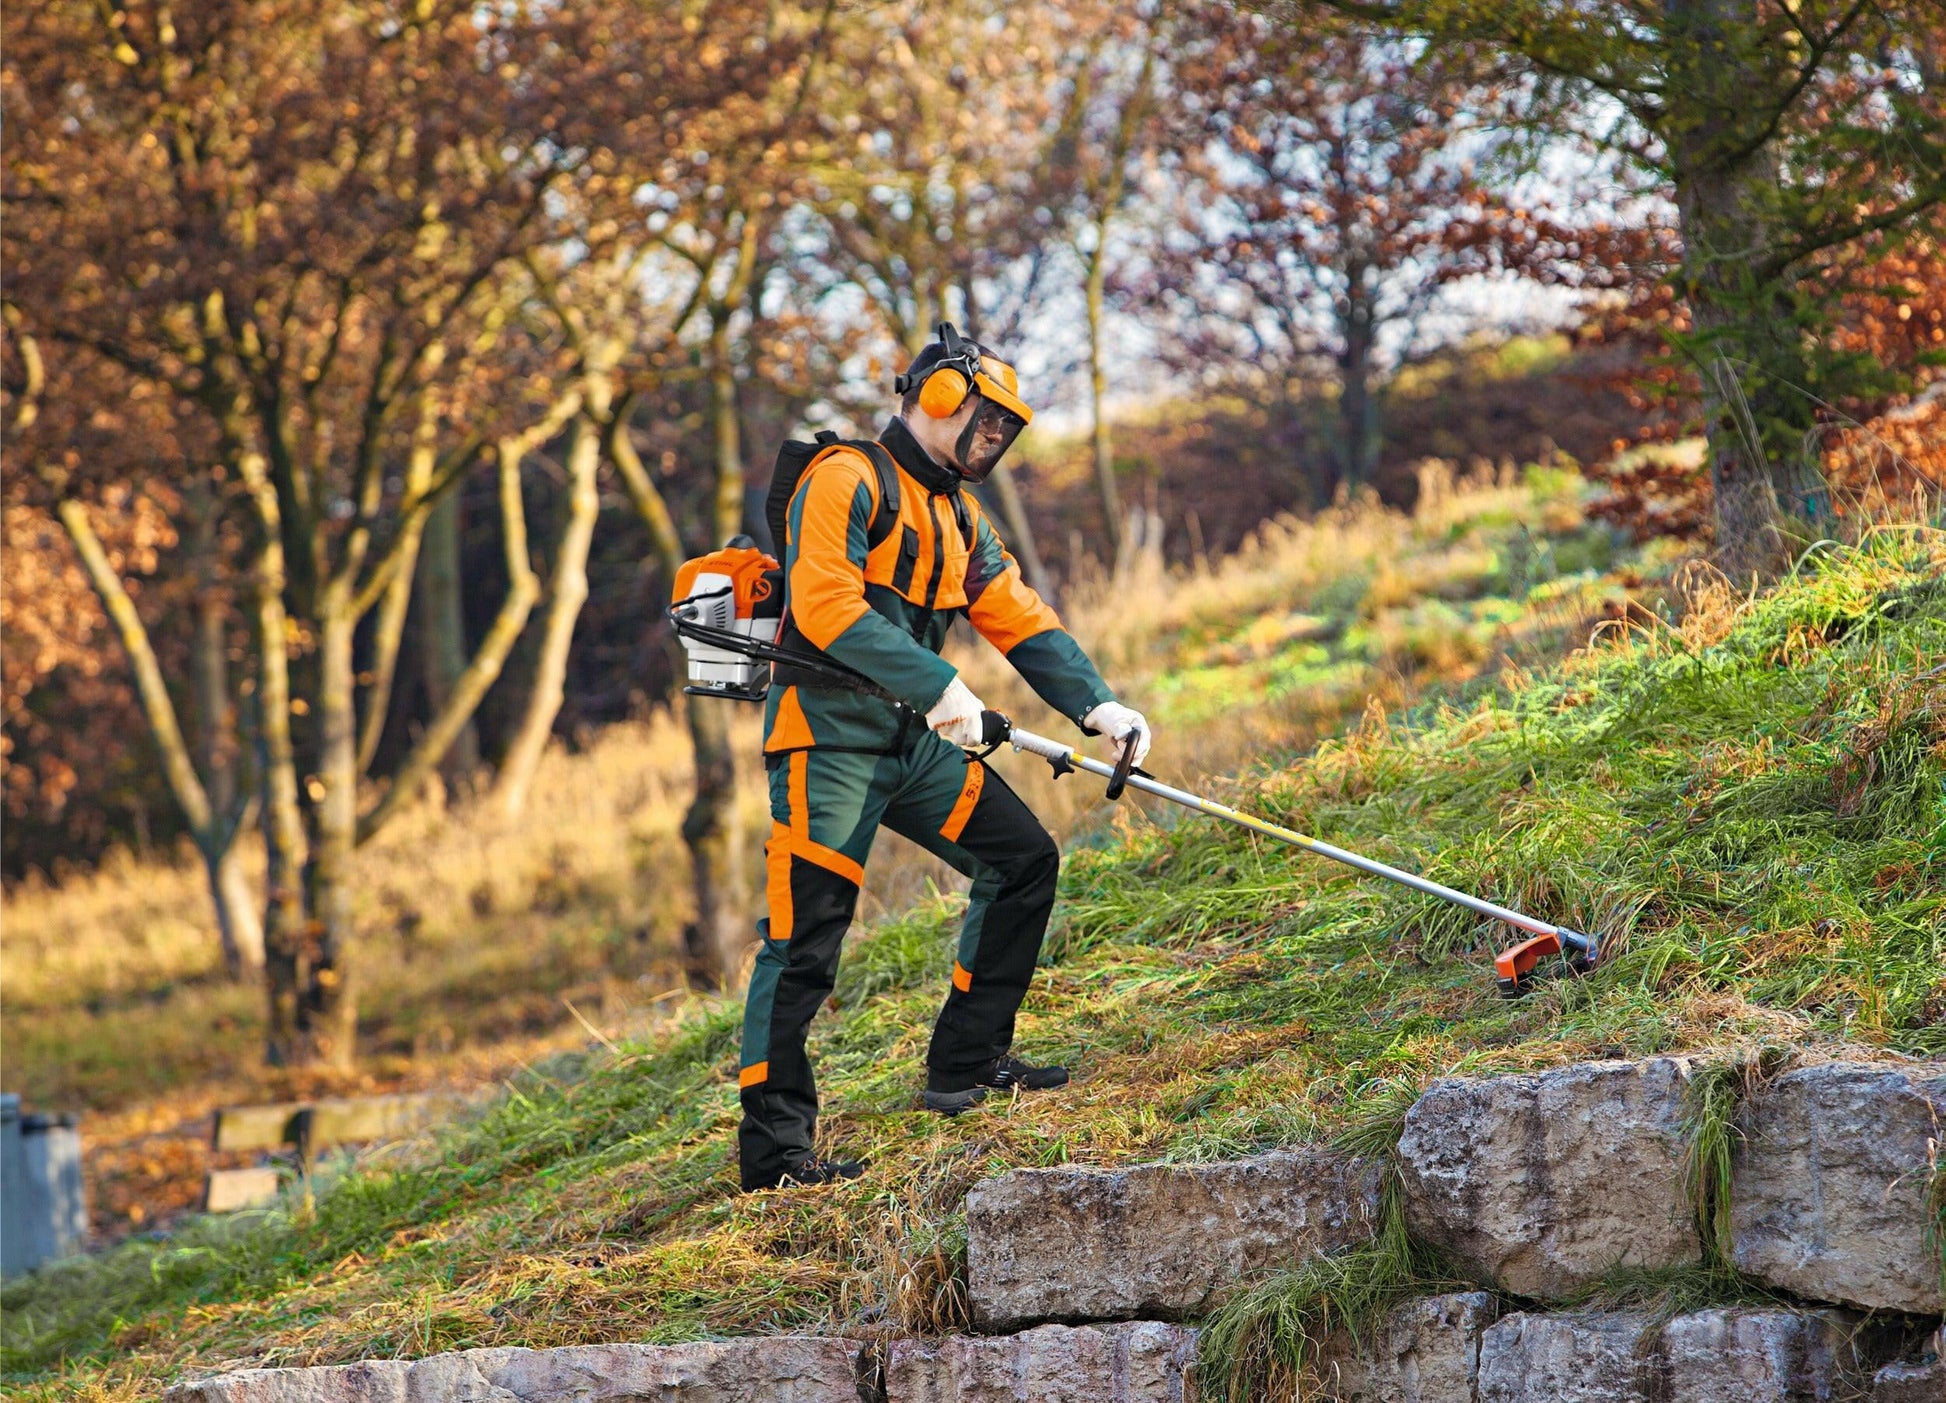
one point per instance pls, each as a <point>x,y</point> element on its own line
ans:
<point>806,1173</point>
<point>950,1095</point>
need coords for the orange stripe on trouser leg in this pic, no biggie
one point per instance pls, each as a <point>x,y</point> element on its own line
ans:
<point>969,795</point>
<point>750,1076</point>
<point>800,794</point>
<point>777,881</point>
<point>830,859</point>
<point>962,977</point>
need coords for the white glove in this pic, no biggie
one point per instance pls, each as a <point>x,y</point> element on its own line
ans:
<point>956,715</point>
<point>1115,721</point>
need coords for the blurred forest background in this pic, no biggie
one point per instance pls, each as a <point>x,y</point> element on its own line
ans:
<point>370,365</point>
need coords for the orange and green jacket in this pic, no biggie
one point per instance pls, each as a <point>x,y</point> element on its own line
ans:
<point>885,611</point>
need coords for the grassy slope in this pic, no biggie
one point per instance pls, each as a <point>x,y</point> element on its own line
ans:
<point>1751,808</point>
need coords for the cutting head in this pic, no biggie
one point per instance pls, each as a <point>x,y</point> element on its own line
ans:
<point>1514,966</point>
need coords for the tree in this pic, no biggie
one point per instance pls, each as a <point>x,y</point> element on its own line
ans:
<point>310,225</point>
<point>1335,204</point>
<point>1783,131</point>
<point>1107,127</point>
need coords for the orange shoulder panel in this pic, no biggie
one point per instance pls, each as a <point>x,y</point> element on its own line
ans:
<point>826,586</point>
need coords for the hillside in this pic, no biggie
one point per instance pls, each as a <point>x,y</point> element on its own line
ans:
<point>1749,804</point>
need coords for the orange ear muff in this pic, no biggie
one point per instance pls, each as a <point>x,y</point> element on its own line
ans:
<point>943,393</point>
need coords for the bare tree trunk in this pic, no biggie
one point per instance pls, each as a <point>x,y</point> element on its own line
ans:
<point>472,684</point>
<point>568,591</point>
<point>442,630</point>
<point>1111,502</point>
<point>327,1008</point>
<point>285,970</point>
<point>1355,383</point>
<point>709,826</point>
<point>239,924</point>
<point>1747,337</point>
<point>209,810</point>
<point>713,943</point>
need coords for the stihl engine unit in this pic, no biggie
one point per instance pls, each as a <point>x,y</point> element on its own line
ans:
<point>729,606</point>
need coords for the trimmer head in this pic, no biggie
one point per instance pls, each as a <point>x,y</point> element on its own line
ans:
<point>1516,963</point>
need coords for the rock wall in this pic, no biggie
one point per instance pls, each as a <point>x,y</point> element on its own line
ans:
<point>1157,1240</point>
<point>1536,1184</point>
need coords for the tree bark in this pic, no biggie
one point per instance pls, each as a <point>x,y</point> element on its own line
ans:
<point>1111,502</point>
<point>286,971</point>
<point>442,631</point>
<point>709,826</point>
<point>1746,338</point>
<point>327,1004</point>
<point>239,924</point>
<point>1355,383</point>
<point>713,943</point>
<point>568,591</point>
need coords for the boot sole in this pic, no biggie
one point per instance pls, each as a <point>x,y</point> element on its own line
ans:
<point>952,1103</point>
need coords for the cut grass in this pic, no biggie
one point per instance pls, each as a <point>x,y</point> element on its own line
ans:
<point>1751,811</point>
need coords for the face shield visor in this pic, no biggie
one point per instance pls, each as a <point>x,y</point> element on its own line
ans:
<point>998,417</point>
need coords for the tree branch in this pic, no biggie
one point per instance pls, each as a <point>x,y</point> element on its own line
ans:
<point>472,684</point>
<point>157,707</point>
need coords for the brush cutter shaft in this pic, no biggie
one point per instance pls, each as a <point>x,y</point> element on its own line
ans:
<point>1059,754</point>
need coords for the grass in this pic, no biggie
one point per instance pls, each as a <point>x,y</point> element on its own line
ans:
<point>1748,803</point>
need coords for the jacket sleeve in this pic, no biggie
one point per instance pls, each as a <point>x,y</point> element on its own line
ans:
<point>824,560</point>
<point>1017,621</point>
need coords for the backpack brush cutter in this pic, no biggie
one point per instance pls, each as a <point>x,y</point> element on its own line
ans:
<point>728,618</point>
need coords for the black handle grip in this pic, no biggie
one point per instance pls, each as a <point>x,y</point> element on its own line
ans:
<point>994,728</point>
<point>1126,765</point>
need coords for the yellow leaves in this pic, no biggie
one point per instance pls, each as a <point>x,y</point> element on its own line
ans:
<point>125,54</point>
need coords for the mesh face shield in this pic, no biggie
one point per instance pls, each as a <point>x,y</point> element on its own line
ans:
<point>987,437</point>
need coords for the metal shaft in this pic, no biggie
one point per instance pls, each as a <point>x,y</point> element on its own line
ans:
<point>1047,749</point>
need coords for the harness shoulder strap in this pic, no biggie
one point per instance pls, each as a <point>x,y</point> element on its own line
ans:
<point>885,514</point>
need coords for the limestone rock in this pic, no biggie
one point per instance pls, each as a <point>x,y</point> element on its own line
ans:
<point>1138,1362</point>
<point>368,1381</point>
<point>1425,1351</point>
<point>769,1369</point>
<point>1156,1241</point>
<point>1829,1189</point>
<point>1733,1355</point>
<point>1760,1356</point>
<point>1592,1358</point>
<point>1539,1183</point>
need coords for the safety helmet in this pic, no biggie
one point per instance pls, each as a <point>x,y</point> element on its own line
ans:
<point>950,370</point>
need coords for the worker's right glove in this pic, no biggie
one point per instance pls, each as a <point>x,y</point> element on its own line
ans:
<point>1115,721</point>
<point>956,715</point>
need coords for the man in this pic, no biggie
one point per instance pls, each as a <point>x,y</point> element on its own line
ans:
<point>874,585</point>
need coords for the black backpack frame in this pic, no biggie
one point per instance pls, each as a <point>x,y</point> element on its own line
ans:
<point>794,460</point>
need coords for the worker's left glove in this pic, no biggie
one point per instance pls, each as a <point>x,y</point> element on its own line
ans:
<point>1115,721</point>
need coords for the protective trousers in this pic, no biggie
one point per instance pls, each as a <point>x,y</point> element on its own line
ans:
<point>826,806</point>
